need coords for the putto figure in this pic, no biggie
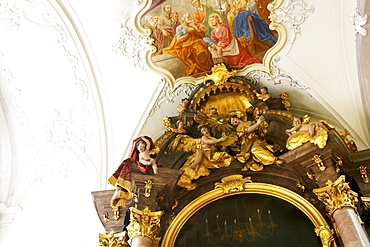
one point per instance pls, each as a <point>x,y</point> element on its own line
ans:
<point>140,155</point>
<point>316,133</point>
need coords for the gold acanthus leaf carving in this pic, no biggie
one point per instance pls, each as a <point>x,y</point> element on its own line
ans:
<point>143,223</point>
<point>233,183</point>
<point>219,75</point>
<point>336,195</point>
<point>113,239</point>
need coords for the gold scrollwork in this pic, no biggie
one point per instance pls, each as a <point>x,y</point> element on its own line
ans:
<point>285,97</point>
<point>350,144</point>
<point>113,239</point>
<point>148,188</point>
<point>160,198</point>
<point>175,204</point>
<point>319,162</point>
<point>338,164</point>
<point>311,175</point>
<point>233,183</point>
<point>366,203</point>
<point>300,186</point>
<point>167,123</point>
<point>336,195</point>
<point>363,172</point>
<point>143,223</point>
<point>219,75</point>
<point>325,234</point>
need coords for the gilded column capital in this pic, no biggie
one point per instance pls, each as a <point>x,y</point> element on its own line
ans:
<point>336,195</point>
<point>143,223</point>
<point>113,239</point>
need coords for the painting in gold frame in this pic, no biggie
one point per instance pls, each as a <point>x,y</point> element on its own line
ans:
<point>189,36</point>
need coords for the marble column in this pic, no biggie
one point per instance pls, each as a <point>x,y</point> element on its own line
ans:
<point>350,228</point>
<point>143,227</point>
<point>141,241</point>
<point>340,202</point>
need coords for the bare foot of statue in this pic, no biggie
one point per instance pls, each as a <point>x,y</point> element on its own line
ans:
<point>155,170</point>
<point>279,162</point>
<point>192,166</point>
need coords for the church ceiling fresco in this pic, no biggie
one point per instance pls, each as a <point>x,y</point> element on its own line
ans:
<point>191,36</point>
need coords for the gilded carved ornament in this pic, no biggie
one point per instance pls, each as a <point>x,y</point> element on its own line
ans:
<point>338,164</point>
<point>363,172</point>
<point>113,239</point>
<point>143,223</point>
<point>325,234</point>
<point>336,195</point>
<point>350,144</point>
<point>233,183</point>
<point>366,203</point>
<point>148,188</point>
<point>318,161</point>
<point>311,175</point>
<point>300,186</point>
<point>219,75</point>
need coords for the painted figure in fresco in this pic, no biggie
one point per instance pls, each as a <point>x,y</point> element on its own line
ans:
<point>201,16</point>
<point>175,19</point>
<point>236,6</point>
<point>207,156</point>
<point>253,32</point>
<point>224,44</point>
<point>150,22</point>
<point>253,146</point>
<point>316,133</point>
<point>225,8</point>
<point>189,47</point>
<point>166,30</point>
<point>121,178</point>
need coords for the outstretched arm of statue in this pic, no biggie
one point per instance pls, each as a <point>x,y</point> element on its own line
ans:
<point>256,125</point>
<point>147,147</point>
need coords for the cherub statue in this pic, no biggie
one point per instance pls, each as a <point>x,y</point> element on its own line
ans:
<point>316,133</point>
<point>143,146</point>
<point>264,95</point>
<point>184,105</point>
<point>140,155</point>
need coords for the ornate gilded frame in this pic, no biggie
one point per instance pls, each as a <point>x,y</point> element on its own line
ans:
<point>266,63</point>
<point>322,228</point>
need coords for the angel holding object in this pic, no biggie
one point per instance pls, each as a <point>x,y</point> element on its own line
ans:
<point>206,155</point>
<point>253,146</point>
<point>143,155</point>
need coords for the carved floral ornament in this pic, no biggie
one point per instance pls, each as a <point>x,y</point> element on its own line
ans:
<point>143,223</point>
<point>336,195</point>
<point>113,239</point>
